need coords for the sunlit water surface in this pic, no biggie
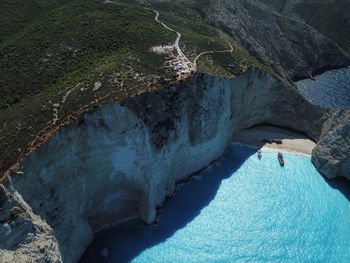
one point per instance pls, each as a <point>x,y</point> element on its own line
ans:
<point>330,89</point>
<point>240,210</point>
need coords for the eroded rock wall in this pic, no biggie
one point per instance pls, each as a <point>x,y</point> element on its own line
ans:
<point>331,155</point>
<point>122,159</point>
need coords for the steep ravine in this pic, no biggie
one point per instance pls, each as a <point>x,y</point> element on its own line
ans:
<point>122,159</point>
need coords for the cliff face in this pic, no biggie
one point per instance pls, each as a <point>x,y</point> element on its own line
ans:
<point>122,159</point>
<point>24,236</point>
<point>331,156</point>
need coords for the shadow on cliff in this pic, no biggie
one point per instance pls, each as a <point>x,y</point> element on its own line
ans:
<point>341,184</point>
<point>128,240</point>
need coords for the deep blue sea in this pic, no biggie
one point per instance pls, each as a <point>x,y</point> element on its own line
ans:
<point>330,89</point>
<point>241,209</point>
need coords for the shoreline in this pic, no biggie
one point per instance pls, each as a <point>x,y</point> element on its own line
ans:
<point>270,149</point>
<point>292,142</point>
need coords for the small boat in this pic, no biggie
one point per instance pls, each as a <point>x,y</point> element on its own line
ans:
<point>259,154</point>
<point>280,159</point>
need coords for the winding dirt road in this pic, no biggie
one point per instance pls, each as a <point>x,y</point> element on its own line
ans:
<point>181,55</point>
<point>177,41</point>
<point>212,52</point>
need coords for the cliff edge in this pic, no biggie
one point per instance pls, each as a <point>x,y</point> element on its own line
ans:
<point>124,158</point>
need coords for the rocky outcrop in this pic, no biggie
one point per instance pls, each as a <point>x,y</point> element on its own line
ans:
<point>24,236</point>
<point>123,159</point>
<point>331,156</point>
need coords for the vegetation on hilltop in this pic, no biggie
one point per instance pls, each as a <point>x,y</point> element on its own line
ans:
<point>16,14</point>
<point>61,58</point>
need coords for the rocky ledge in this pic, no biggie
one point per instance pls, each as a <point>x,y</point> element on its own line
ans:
<point>123,159</point>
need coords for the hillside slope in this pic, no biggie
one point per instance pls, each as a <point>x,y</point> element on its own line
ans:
<point>331,17</point>
<point>61,58</point>
<point>279,39</point>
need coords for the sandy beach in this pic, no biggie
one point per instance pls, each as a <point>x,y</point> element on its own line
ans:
<point>291,141</point>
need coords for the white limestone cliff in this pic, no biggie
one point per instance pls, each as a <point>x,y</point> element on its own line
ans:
<point>123,159</point>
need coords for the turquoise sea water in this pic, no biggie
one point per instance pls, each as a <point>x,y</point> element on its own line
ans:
<point>241,209</point>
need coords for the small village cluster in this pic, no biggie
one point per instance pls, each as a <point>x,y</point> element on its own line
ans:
<point>179,63</point>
